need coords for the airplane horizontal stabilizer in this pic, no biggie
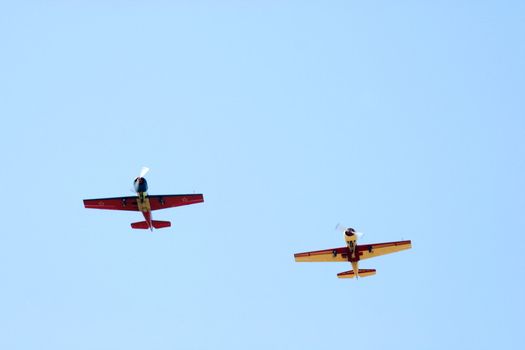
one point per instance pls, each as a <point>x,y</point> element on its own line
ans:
<point>140,225</point>
<point>161,224</point>
<point>362,273</point>
<point>156,224</point>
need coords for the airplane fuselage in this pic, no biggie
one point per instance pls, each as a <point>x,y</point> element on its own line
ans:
<point>145,207</point>
<point>141,187</point>
<point>353,256</point>
<point>351,243</point>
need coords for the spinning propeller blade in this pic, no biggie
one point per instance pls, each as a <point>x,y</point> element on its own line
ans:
<point>143,171</point>
<point>340,227</point>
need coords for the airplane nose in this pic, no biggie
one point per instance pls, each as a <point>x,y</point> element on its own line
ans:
<point>140,184</point>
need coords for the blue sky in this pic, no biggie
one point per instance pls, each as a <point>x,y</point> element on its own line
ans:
<point>404,120</point>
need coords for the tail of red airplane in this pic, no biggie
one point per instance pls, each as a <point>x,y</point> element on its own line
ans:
<point>161,224</point>
<point>156,224</point>
<point>140,225</point>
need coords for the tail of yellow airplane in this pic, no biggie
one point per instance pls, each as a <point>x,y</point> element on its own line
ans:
<point>362,273</point>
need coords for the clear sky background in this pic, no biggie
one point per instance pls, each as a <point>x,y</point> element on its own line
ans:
<point>403,119</point>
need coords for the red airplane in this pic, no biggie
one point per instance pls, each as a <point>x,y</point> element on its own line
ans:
<point>353,253</point>
<point>144,203</point>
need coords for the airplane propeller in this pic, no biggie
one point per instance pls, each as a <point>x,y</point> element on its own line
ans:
<point>143,171</point>
<point>343,229</point>
<point>137,181</point>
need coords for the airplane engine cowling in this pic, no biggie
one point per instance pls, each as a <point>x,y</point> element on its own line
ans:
<point>140,184</point>
<point>350,235</point>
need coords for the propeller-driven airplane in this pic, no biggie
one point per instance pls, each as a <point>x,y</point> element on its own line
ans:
<point>353,253</point>
<point>144,203</point>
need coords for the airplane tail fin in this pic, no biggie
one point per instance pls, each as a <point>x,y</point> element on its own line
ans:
<point>362,273</point>
<point>143,225</point>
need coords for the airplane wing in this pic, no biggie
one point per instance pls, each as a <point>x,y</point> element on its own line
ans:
<point>334,254</point>
<point>367,251</point>
<point>116,203</point>
<point>174,200</point>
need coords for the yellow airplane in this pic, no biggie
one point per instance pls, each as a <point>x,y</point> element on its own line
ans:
<point>353,253</point>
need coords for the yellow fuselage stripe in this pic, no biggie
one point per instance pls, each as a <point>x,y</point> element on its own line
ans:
<point>143,202</point>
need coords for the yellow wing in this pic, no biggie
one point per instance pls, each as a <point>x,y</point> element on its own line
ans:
<point>367,251</point>
<point>326,255</point>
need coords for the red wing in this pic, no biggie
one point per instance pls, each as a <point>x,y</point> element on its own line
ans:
<point>174,200</point>
<point>334,254</point>
<point>117,203</point>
